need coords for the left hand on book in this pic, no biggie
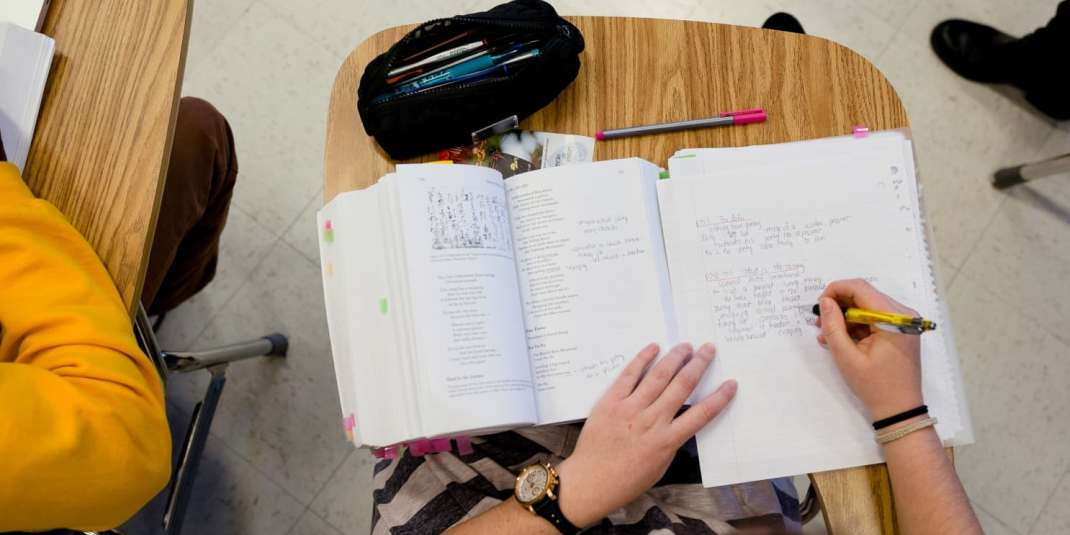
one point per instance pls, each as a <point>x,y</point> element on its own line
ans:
<point>633,432</point>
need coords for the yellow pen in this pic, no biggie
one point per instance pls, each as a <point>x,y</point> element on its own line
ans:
<point>904,323</point>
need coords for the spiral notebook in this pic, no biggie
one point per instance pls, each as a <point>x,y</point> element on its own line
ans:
<point>753,234</point>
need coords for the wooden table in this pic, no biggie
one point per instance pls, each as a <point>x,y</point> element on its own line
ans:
<point>632,74</point>
<point>103,136</point>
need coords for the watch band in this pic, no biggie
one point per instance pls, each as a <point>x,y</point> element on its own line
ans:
<point>551,511</point>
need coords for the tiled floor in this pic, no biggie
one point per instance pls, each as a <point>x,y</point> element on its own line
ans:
<point>277,463</point>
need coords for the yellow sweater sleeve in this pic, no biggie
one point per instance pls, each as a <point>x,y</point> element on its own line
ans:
<point>84,441</point>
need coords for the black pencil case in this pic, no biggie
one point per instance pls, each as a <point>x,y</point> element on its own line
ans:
<point>409,125</point>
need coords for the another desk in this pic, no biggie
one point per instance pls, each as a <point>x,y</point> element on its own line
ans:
<point>103,136</point>
<point>810,87</point>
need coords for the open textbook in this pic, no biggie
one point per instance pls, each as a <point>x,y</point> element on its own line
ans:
<point>462,303</point>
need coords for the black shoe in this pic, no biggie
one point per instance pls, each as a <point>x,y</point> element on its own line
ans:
<point>974,51</point>
<point>783,22</point>
<point>984,54</point>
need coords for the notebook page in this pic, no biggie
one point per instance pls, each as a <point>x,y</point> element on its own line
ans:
<point>750,248</point>
<point>592,276</point>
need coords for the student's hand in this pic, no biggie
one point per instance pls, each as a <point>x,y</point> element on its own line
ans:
<point>633,432</point>
<point>882,368</point>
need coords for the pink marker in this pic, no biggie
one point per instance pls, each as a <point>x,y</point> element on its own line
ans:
<point>752,115</point>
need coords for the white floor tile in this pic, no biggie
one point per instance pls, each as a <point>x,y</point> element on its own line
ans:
<point>231,496</point>
<point>1015,375</point>
<point>963,132</point>
<point>280,414</point>
<point>212,20</point>
<point>303,234</point>
<point>1055,518</point>
<point>272,82</point>
<point>242,246</point>
<point>312,524</point>
<point>991,525</point>
<point>341,25</point>
<point>751,14</point>
<point>346,501</point>
<point>894,13</point>
<point>1024,255</point>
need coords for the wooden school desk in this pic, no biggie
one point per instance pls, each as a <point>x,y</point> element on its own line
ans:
<point>103,135</point>
<point>633,74</point>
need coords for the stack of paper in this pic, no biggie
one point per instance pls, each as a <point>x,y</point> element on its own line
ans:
<point>25,59</point>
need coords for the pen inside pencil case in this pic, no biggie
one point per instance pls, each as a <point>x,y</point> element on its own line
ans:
<point>487,46</point>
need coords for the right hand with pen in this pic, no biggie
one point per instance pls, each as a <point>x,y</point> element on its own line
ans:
<point>882,368</point>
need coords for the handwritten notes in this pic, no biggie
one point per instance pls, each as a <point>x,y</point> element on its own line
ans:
<point>752,242</point>
<point>754,303</point>
<point>738,235</point>
<point>605,239</point>
<point>603,368</point>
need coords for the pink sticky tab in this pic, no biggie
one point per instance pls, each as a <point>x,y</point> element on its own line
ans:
<point>350,422</point>
<point>390,452</point>
<point>327,225</point>
<point>464,446</point>
<point>440,445</point>
<point>418,448</point>
<point>860,131</point>
<point>379,453</point>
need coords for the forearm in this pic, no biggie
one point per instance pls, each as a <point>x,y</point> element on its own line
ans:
<point>507,517</point>
<point>928,495</point>
<point>81,407</point>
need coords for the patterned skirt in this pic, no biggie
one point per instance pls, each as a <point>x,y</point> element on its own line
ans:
<point>431,493</point>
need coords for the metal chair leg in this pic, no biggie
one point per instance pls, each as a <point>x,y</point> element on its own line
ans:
<point>272,345</point>
<point>810,507</point>
<point>215,361</point>
<point>1019,174</point>
<point>192,449</point>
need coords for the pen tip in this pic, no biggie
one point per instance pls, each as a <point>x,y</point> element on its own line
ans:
<point>817,310</point>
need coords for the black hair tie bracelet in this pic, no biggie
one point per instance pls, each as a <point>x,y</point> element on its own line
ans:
<point>903,416</point>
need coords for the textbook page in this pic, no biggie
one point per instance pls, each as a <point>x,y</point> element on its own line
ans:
<point>593,277</point>
<point>750,249</point>
<point>471,359</point>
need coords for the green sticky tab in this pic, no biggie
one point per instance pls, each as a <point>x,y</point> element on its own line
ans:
<point>383,306</point>
<point>692,155</point>
<point>663,174</point>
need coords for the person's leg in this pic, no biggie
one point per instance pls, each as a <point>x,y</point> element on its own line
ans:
<point>193,209</point>
<point>1033,63</point>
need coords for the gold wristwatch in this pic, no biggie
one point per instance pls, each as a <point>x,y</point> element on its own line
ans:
<point>537,490</point>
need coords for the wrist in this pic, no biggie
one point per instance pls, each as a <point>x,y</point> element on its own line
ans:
<point>891,407</point>
<point>575,496</point>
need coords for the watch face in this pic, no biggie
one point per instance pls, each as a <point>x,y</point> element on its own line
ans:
<point>532,483</point>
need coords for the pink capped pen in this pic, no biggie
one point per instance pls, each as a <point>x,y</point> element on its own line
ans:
<point>752,115</point>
